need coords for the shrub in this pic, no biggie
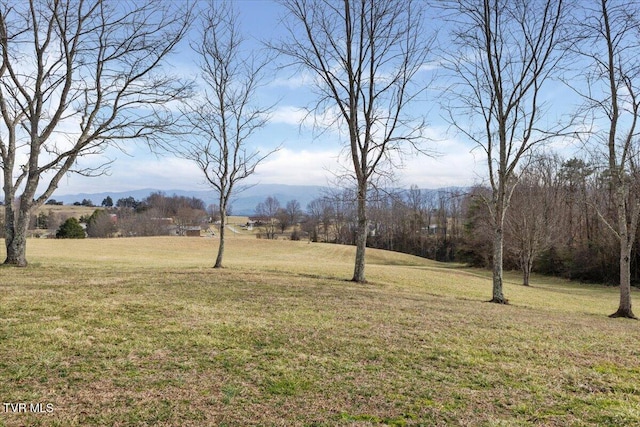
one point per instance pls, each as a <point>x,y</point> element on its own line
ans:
<point>70,229</point>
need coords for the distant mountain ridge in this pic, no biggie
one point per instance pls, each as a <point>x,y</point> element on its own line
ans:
<point>243,203</point>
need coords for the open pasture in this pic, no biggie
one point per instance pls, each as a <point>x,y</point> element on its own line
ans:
<point>143,332</point>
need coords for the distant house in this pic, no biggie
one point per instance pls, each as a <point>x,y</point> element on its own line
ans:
<point>192,231</point>
<point>258,220</point>
<point>173,230</point>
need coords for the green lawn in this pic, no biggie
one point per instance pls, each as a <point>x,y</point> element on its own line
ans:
<point>130,332</point>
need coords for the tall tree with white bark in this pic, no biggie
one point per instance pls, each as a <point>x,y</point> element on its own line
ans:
<point>76,77</point>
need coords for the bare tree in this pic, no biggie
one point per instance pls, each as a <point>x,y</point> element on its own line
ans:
<point>75,77</point>
<point>314,216</point>
<point>610,44</point>
<point>478,231</point>
<point>506,51</point>
<point>144,223</point>
<point>577,178</point>
<point>529,224</point>
<point>416,202</point>
<point>284,222</point>
<point>186,218</point>
<point>268,212</point>
<point>227,117</point>
<point>213,211</point>
<point>365,54</point>
<point>293,211</point>
<point>320,211</point>
<point>101,224</point>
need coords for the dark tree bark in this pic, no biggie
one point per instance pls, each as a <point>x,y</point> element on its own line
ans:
<point>223,223</point>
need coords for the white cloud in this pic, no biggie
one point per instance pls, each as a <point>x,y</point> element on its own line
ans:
<point>163,173</point>
<point>455,166</point>
<point>297,167</point>
<point>299,80</point>
<point>328,119</point>
<point>167,173</point>
<point>432,65</point>
<point>289,115</point>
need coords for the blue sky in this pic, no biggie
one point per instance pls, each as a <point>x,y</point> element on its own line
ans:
<point>306,157</point>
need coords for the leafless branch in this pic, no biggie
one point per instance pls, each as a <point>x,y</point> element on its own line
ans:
<point>76,77</point>
<point>366,57</point>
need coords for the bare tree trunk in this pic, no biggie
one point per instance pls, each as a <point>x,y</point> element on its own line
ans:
<point>16,236</point>
<point>361,237</point>
<point>498,296</point>
<point>626,243</point>
<point>223,223</point>
<point>527,266</point>
<point>624,309</point>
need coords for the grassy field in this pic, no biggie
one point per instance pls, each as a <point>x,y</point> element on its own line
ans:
<point>141,332</point>
<point>64,210</point>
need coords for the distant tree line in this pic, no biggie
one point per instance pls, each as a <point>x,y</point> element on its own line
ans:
<point>155,215</point>
<point>554,225</point>
<point>426,223</point>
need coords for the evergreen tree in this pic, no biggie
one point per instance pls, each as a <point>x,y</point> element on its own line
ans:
<point>70,229</point>
<point>107,202</point>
